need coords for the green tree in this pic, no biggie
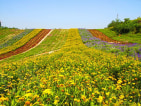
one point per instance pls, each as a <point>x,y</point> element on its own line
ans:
<point>126,26</point>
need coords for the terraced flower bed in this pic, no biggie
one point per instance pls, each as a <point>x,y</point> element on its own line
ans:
<point>31,43</point>
<point>95,40</point>
<point>20,42</point>
<point>74,76</point>
<point>103,37</point>
<point>15,38</point>
<point>7,33</point>
<point>53,42</point>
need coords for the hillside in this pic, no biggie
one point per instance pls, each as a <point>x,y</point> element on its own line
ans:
<point>52,42</point>
<point>8,33</point>
<point>102,39</point>
<point>73,75</point>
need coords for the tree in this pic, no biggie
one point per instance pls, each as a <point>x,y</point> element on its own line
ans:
<point>0,23</point>
<point>114,23</point>
<point>126,26</point>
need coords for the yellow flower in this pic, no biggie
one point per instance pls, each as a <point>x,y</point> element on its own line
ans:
<point>100,99</point>
<point>118,87</point>
<point>90,89</point>
<point>28,91</point>
<point>97,92</point>
<point>107,93</point>
<point>3,99</point>
<point>56,97</point>
<point>72,82</point>
<point>121,96</point>
<point>61,75</point>
<point>138,104</point>
<point>75,99</point>
<point>66,103</point>
<point>78,100</point>
<point>61,85</point>
<point>21,99</point>
<point>119,81</point>
<point>114,97</point>
<point>56,102</point>
<point>47,91</point>
<point>83,97</point>
<point>36,96</point>
<point>93,95</point>
<point>42,86</point>
<point>67,93</point>
<point>28,95</point>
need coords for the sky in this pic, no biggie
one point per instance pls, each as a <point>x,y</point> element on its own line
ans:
<point>65,14</point>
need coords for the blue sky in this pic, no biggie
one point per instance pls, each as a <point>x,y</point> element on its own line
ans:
<point>52,14</point>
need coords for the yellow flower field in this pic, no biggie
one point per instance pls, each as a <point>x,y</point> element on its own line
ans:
<point>74,76</point>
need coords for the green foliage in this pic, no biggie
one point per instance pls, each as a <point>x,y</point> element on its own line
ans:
<point>126,26</point>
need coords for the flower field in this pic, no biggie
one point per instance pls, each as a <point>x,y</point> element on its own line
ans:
<point>7,33</point>
<point>73,76</point>
<point>99,41</point>
<point>100,35</point>
<point>53,42</point>
<point>15,38</point>
<point>31,43</point>
<point>20,42</point>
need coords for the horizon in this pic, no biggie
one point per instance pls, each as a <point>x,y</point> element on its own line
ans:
<point>90,14</point>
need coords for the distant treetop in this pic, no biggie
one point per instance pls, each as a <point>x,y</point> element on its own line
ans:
<point>126,26</point>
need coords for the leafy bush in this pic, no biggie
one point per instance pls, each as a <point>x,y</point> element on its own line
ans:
<point>126,26</point>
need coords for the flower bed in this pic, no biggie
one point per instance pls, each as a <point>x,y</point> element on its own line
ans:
<point>128,49</point>
<point>76,76</point>
<point>20,42</point>
<point>31,43</point>
<point>15,38</point>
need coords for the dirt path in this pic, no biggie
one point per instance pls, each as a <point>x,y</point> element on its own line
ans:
<point>30,44</point>
<point>103,37</point>
<point>47,52</point>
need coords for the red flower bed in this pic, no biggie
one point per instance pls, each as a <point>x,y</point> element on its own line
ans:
<point>31,43</point>
<point>103,37</point>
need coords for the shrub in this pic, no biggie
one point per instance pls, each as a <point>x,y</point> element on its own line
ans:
<point>126,26</point>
